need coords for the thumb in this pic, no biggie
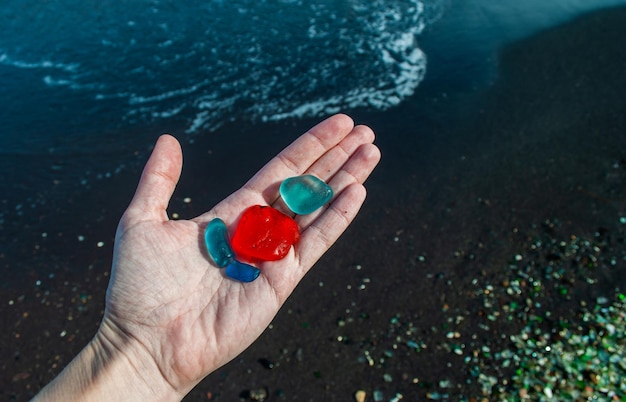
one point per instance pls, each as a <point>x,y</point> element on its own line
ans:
<point>157,183</point>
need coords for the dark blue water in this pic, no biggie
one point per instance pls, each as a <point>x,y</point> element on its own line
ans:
<point>87,83</point>
<point>81,68</point>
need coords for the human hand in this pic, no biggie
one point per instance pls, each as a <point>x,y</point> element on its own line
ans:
<point>171,315</point>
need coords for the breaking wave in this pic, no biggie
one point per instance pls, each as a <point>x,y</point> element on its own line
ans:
<point>222,61</point>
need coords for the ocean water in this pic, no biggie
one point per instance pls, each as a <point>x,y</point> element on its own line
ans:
<point>85,83</point>
<point>83,68</point>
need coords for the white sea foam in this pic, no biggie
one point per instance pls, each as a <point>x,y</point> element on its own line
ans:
<point>398,50</point>
<point>264,86</point>
<point>137,99</point>
<point>44,64</point>
<point>320,60</point>
<point>211,116</point>
<point>71,83</point>
<point>388,38</point>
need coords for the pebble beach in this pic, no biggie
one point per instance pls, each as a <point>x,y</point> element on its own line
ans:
<point>488,262</point>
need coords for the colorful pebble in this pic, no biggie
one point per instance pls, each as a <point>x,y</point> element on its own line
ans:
<point>242,272</point>
<point>217,244</point>
<point>264,234</point>
<point>304,194</point>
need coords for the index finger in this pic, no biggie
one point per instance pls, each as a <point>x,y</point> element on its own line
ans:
<point>299,156</point>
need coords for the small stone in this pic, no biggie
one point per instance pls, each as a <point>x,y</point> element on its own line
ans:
<point>304,194</point>
<point>548,392</point>
<point>359,396</point>
<point>217,244</point>
<point>268,364</point>
<point>264,234</point>
<point>397,397</point>
<point>242,272</point>
<point>20,376</point>
<point>258,395</point>
<point>299,354</point>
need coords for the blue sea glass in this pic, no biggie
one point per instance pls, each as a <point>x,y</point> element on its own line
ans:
<point>242,272</point>
<point>217,244</point>
<point>304,194</point>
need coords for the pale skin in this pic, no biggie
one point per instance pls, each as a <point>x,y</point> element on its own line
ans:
<point>171,315</point>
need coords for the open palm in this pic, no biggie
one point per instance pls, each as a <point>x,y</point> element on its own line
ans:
<point>168,298</point>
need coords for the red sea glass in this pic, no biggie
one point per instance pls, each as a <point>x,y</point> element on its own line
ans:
<point>264,234</point>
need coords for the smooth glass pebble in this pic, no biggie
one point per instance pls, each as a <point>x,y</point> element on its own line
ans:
<point>264,234</point>
<point>242,272</point>
<point>304,194</point>
<point>217,244</point>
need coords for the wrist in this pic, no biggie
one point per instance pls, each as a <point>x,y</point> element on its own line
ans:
<point>111,367</point>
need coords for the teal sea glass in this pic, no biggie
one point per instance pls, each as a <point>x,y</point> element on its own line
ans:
<point>242,272</point>
<point>304,194</point>
<point>217,244</point>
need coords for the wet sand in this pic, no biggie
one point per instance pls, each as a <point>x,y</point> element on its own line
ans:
<point>411,295</point>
